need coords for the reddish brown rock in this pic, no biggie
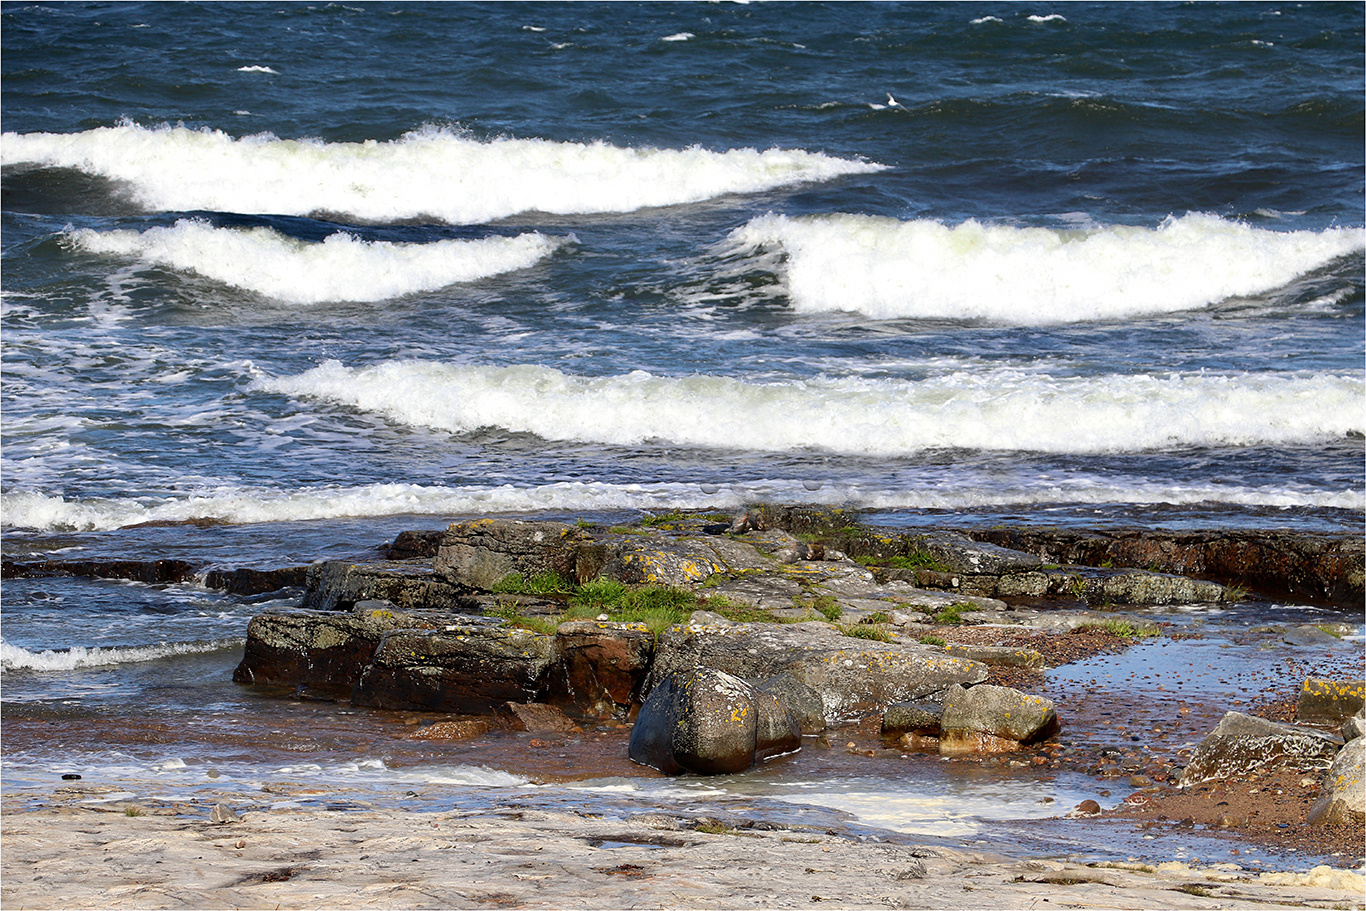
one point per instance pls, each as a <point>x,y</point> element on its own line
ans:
<point>600,666</point>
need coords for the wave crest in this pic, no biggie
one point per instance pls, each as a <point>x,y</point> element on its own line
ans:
<point>430,173</point>
<point>340,268</point>
<point>889,269</point>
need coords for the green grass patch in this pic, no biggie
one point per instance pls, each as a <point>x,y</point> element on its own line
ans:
<point>932,640</point>
<point>536,584</point>
<point>1122,629</point>
<point>876,632</point>
<point>953,614</point>
<point>825,605</point>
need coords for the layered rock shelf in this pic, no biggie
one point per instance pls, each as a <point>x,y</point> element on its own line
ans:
<point>796,618</point>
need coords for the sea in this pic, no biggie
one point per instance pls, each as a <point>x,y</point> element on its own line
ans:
<point>281,280</point>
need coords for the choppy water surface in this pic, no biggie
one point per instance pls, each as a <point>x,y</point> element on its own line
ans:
<point>325,272</point>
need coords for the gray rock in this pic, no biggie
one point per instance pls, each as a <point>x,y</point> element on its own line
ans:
<point>223,814</point>
<point>657,560</point>
<point>912,718</point>
<point>407,585</point>
<point>1354,727</point>
<point>482,553</point>
<point>711,723</point>
<point>799,699</point>
<point>1241,744</point>
<point>960,554</point>
<point>1309,635</point>
<point>1344,788</point>
<point>323,650</point>
<point>853,677</point>
<point>997,656</point>
<point>993,719</point>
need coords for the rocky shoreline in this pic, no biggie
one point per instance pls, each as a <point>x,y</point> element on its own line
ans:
<point>703,643</point>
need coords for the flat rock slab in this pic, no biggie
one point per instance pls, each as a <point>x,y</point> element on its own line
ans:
<point>521,858</point>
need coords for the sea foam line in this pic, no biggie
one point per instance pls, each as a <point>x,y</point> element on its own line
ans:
<point>993,410</point>
<point>433,172</point>
<point>253,505</point>
<point>13,657</point>
<point>922,269</point>
<point>340,268</point>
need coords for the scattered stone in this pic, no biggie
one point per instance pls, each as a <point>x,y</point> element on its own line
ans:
<point>411,585</point>
<point>997,656</point>
<point>537,718</point>
<point>1087,808</point>
<point>801,700</point>
<point>467,669</point>
<point>223,814</point>
<point>465,729</point>
<point>482,553</point>
<point>1242,744</point>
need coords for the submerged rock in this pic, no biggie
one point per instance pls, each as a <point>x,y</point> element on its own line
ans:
<point>710,722</point>
<point>1242,744</point>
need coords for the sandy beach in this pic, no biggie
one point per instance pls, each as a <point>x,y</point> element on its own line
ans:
<point>518,858</point>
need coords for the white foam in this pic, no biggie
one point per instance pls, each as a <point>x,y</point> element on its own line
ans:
<point>680,36</point>
<point>434,172</point>
<point>250,505</point>
<point>13,657</point>
<point>889,269</point>
<point>257,69</point>
<point>340,268</point>
<point>999,409</point>
<point>1052,17</point>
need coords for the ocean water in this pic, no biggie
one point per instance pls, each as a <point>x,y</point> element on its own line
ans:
<point>326,271</point>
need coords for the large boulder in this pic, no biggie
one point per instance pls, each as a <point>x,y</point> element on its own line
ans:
<point>1243,744</point>
<point>711,723</point>
<point>1344,791</point>
<point>466,668</point>
<point>853,677</point>
<point>993,719</point>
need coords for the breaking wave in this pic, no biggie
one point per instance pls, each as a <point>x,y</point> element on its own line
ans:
<point>340,268</point>
<point>889,269</point>
<point>253,505</point>
<point>12,657</point>
<point>1007,410</point>
<point>430,173</point>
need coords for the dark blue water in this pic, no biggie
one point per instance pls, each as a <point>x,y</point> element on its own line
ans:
<point>327,271</point>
